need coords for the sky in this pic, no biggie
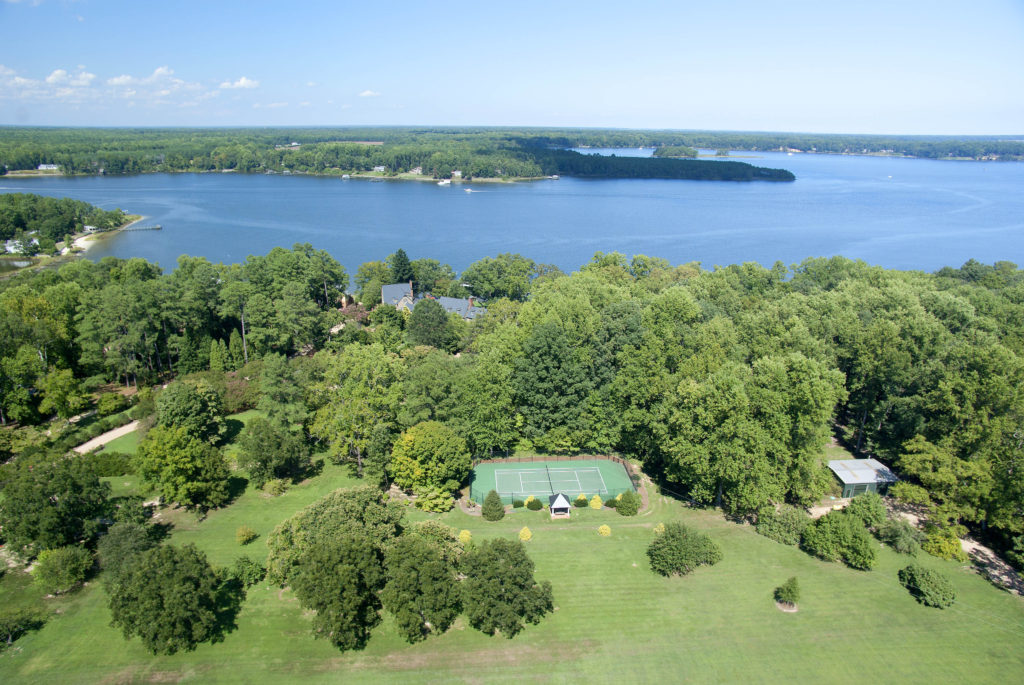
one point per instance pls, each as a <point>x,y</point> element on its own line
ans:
<point>829,66</point>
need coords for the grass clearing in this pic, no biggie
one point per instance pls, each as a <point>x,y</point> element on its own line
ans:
<point>614,616</point>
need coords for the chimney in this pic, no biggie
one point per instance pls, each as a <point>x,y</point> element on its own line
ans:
<point>470,301</point>
<point>411,293</point>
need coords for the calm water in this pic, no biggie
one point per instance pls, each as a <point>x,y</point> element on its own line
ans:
<point>902,213</point>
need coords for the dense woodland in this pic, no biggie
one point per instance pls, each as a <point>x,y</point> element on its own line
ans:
<point>51,219</point>
<point>726,384</point>
<point>476,152</point>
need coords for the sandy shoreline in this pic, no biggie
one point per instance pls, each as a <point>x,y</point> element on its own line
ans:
<point>84,242</point>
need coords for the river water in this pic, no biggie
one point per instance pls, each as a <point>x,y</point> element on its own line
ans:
<point>900,213</point>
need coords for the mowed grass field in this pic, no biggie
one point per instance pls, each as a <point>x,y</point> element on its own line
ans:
<point>614,617</point>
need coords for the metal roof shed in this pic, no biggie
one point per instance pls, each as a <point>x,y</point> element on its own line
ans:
<point>862,475</point>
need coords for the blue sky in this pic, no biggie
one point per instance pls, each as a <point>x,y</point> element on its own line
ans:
<point>900,66</point>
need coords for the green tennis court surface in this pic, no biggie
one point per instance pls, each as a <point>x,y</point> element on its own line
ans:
<point>518,480</point>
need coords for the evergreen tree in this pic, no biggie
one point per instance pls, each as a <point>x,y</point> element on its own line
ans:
<point>493,509</point>
<point>216,360</point>
<point>400,267</point>
<point>281,396</point>
<point>236,354</point>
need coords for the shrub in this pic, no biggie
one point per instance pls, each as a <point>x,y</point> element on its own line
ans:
<point>437,501</point>
<point>785,525</point>
<point>595,502</point>
<point>132,509</point>
<point>111,403</point>
<point>465,537</point>
<point>868,508</point>
<point>580,501</point>
<point>679,550</point>
<point>838,536</point>
<point>659,529</point>
<point>529,498</point>
<point>145,404</point>
<point>612,502</point>
<point>525,534</point>
<point>276,487</point>
<point>604,531</point>
<point>109,464</point>
<point>59,570</point>
<point>518,504</point>
<point>928,587</point>
<point>244,535</point>
<point>247,571</point>
<point>493,509</point>
<point>534,504</point>
<point>788,592</point>
<point>629,504</point>
<point>901,536</point>
<point>944,544</point>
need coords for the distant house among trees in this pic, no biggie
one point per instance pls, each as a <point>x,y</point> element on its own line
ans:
<point>48,167</point>
<point>401,296</point>
<point>862,475</point>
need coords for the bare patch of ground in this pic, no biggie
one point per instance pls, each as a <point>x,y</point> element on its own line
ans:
<point>997,571</point>
<point>787,608</point>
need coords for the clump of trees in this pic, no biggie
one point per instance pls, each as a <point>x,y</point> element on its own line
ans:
<point>679,550</point>
<point>840,536</point>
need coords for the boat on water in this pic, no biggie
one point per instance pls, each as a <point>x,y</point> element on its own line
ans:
<point>470,190</point>
<point>444,182</point>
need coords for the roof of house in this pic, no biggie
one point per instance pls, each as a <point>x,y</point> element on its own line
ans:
<point>858,471</point>
<point>467,309</point>
<point>391,294</point>
<point>394,293</point>
<point>558,501</point>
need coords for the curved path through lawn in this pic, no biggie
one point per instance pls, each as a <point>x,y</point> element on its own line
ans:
<point>107,437</point>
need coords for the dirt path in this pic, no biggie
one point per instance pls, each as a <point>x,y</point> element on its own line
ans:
<point>995,569</point>
<point>107,437</point>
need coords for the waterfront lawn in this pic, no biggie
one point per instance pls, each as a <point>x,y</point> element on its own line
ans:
<point>614,617</point>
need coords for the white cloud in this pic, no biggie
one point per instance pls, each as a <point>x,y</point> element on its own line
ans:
<point>243,82</point>
<point>270,105</point>
<point>122,80</point>
<point>369,94</point>
<point>57,76</point>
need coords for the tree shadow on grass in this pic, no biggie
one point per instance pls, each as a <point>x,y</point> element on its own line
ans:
<point>230,597</point>
<point>236,486</point>
<point>232,429</point>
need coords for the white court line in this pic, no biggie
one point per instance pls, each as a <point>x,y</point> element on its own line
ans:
<point>604,488</point>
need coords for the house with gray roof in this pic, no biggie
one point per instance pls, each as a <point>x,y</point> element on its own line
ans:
<point>401,296</point>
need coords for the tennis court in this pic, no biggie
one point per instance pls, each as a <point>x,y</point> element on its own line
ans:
<point>518,480</point>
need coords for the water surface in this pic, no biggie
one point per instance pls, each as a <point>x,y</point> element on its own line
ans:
<point>900,213</point>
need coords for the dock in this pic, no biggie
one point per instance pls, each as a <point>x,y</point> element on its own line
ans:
<point>151,227</point>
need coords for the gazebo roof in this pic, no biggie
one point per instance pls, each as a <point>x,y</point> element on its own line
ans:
<point>558,500</point>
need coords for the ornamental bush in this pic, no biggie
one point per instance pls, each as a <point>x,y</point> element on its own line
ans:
<point>580,501</point>
<point>784,525</point>
<point>900,535</point>
<point>944,544</point>
<point>604,531</point>
<point>493,509</point>
<point>525,534</point>
<point>838,536</point>
<point>788,592</point>
<point>679,550</point>
<point>59,570</point>
<point>595,502</point>
<point>465,537</point>
<point>612,502</point>
<point>437,501</point>
<point>244,535</point>
<point>659,529</point>
<point>247,571</point>
<point>868,508</point>
<point>929,587</point>
<point>518,504</point>
<point>629,504</point>
<point>534,504</point>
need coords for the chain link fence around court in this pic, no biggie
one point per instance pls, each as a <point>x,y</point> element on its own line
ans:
<point>541,477</point>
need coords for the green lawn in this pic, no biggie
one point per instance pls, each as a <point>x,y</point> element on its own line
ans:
<point>126,444</point>
<point>614,617</point>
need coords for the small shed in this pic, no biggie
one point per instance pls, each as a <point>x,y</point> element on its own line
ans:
<point>559,505</point>
<point>862,475</point>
